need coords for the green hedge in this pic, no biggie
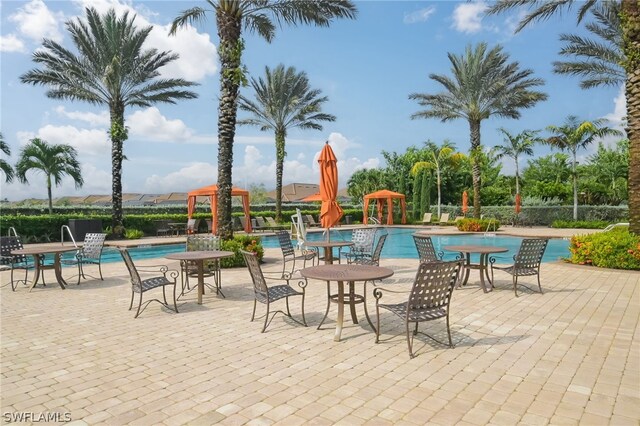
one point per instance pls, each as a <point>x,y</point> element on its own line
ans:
<point>612,249</point>
<point>580,224</point>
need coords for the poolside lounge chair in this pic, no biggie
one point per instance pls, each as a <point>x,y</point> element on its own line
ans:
<point>271,223</point>
<point>444,219</point>
<point>267,294</point>
<point>12,262</point>
<point>363,240</point>
<point>209,223</point>
<point>429,298</point>
<point>426,251</point>
<point>311,221</point>
<point>89,254</point>
<point>258,224</point>
<point>526,262</point>
<point>289,255</point>
<point>458,218</point>
<point>163,228</point>
<point>426,219</point>
<point>167,279</point>
<point>192,226</point>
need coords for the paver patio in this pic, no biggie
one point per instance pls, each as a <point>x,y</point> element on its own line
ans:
<point>569,356</point>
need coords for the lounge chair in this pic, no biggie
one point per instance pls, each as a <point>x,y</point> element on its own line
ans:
<point>271,223</point>
<point>444,219</point>
<point>311,221</point>
<point>429,298</point>
<point>192,226</point>
<point>526,262</point>
<point>426,219</point>
<point>458,218</point>
<point>163,228</point>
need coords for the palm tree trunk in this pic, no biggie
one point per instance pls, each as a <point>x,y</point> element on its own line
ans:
<point>517,177</point>
<point>229,27</point>
<point>575,187</point>
<point>280,153</point>
<point>118,135</point>
<point>439,191</point>
<point>49,194</point>
<point>475,145</point>
<point>631,36</point>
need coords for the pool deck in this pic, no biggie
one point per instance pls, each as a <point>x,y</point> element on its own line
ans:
<point>568,356</point>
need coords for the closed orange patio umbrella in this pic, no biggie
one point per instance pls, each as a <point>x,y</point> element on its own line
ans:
<point>330,212</point>
<point>518,204</point>
<point>465,203</point>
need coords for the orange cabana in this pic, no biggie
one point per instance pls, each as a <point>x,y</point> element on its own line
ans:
<point>211,191</point>
<point>380,197</point>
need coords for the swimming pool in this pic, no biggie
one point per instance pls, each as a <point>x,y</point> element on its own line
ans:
<point>399,245</point>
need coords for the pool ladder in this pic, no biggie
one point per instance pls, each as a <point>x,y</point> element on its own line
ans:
<point>488,232</point>
<point>12,231</point>
<point>62,229</point>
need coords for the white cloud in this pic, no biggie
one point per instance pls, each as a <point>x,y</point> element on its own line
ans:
<point>198,55</point>
<point>619,110</point>
<point>421,15</point>
<point>88,142</point>
<point>152,125</point>
<point>36,21</point>
<point>189,177</point>
<point>11,43</point>
<point>94,120</point>
<point>467,17</point>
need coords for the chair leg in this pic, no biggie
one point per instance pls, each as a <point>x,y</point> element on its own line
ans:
<point>538,276</point>
<point>139,306</point>
<point>80,272</point>
<point>328,305</point>
<point>13,285</point>
<point>415,331</point>
<point>175,301</point>
<point>164,296</point>
<point>286,299</point>
<point>304,321</point>
<point>253,314</point>
<point>409,340</point>
<point>377,322</point>
<point>100,270</point>
<point>266,319</point>
<point>515,284</point>
<point>131,304</point>
<point>449,331</point>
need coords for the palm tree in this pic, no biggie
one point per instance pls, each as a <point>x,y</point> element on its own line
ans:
<point>630,28</point>
<point>4,165</point>
<point>111,68</point>
<point>439,158</point>
<point>516,145</point>
<point>54,160</point>
<point>483,84</point>
<point>598,62</point>
<point>572,136</point>
<point>284,101</point>
<point>256,16</point>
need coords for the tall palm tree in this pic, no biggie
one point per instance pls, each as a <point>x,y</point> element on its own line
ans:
<point>516,145</point>
<point>111,68</point>
<point>598,62</point>
<point>54,160</point>
<point>440,157</point>
<point>4,165</point>
<point>630,27</point>
<point>572,136</point>
<point>284,100</point>
<point>484,83</point>
<point>256,16</point>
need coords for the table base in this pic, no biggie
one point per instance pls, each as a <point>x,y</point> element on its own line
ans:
<point>350,298</point>
<point>41,267</point>
<point>487,285</point>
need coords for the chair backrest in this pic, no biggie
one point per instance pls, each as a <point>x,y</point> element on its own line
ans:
<point>375,257</point>
<point>260,221</point>
<point>192,225</point>
<point>243,222</point>
<point>310,219</point>
<point>433,285</point>
<point>444,218</point>
<point>161,225</point>
<point>426,250</point>
<point>202,243</point>
<point>363,239</point>
<point>426,218</point>
<point>271,221</point>
<point>209,224</point>
<point>458,218</point>
<point>7,245</point>
<point>530,254</point>
<point>259,283</point>
<point>136,283</point>
<point>93,245</point>
<point>285,243</point>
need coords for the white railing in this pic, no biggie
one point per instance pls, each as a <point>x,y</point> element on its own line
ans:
<point>300,229</point>
<point>615,225</point>
<point>12,231</point>
<point>488,232</point>
<point>62,229</point>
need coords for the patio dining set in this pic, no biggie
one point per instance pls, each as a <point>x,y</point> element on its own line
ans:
<point>428,298</point>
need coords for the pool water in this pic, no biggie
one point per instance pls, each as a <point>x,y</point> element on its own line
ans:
<point>399,245</point>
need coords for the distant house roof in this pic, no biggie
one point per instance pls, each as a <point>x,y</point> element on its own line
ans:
<point>294,192</point>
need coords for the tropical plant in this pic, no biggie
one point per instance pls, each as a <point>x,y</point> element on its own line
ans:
<point>256,16</point>
<point>365,181</point>
<point>630,29</point>
<point>484,84</point>
<point>572,136</point>
<point>283,100</point>
<point>611,166</point>
<point>516,145</point>
<point>440,157</point>
<point>53,160</point>
<point>4,165</point>
<point>111,68</point>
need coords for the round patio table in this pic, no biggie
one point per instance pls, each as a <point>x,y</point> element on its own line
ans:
<point>38,252</point>
<point>199,257</point>
<point>484,252</point>
<point>328,248</point>
<point>350,274</point>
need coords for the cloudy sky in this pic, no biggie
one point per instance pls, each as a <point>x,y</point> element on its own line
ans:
<point>367,68</point>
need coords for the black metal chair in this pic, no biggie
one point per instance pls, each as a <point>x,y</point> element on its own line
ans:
<point>12,262</point>
<point>426,250</point>
<point>429,298</point>
<point>89,254</point>
<point>167,279</point>
<point>289,256</point>
<point>163,228</point>
<point>267,294</point>
<point>363,240</point>
<point>211,267</point>
<point>526,262</point>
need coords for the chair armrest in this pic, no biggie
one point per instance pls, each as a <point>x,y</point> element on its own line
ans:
<point>378,292</point>
<point>163,269</point>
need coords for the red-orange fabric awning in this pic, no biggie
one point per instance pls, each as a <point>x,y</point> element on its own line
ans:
<point>465,202</point>
<point>380,197</point>
<point>330,212</point>
<point>211,191</point>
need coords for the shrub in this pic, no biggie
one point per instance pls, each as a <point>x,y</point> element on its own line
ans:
<point>616,249</point>
<point>240,242</point>
<point>133,234</point>
<point>475,225</point>
<point>584,224</point>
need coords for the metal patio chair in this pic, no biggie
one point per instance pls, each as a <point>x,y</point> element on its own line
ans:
<point>429,299</point>
<point>289,256</point>
<point>89,254</point>
<point>267,294</point>
<point>426,250</point>
<point>526,262</point>
<point>140,286</point>
<point>12,262</point>
<point>363,240</point>
<point>375,257</point>
<point>211,267</point>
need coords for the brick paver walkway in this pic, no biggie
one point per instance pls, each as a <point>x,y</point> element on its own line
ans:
<point>568,356</point>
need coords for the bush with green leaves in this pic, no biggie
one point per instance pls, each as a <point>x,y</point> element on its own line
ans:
<point>240,242</point>
<point>133,234</point>
<point>580,224</point>
<point>475,225</point>
<point>617,249</point>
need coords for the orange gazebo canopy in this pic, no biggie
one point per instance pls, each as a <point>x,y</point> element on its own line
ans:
<point>380,197</point>
<point>211,191</point>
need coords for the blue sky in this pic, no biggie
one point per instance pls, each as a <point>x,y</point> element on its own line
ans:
<point>367,67</point>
